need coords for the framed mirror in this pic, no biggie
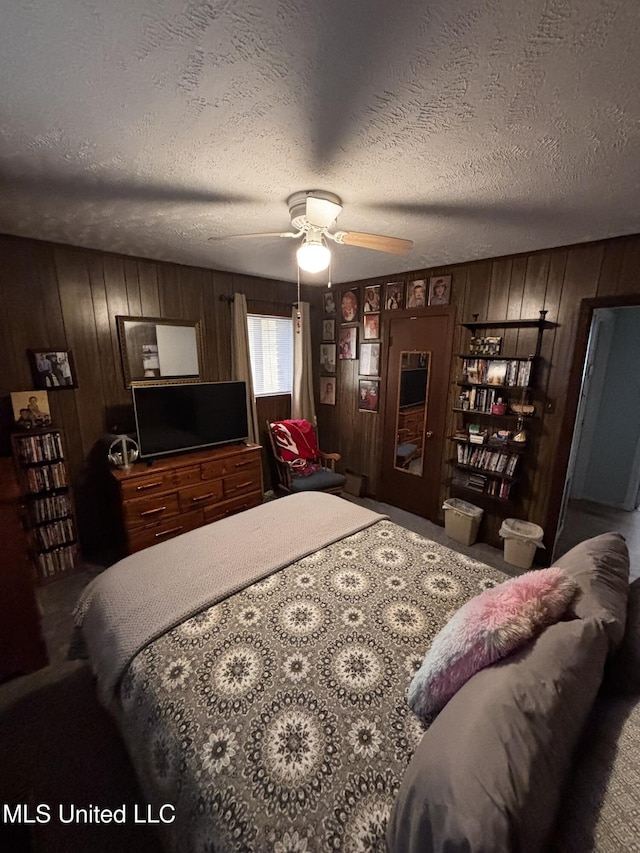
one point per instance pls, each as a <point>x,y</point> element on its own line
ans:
<point>160,351</point>
<point>411,413</point>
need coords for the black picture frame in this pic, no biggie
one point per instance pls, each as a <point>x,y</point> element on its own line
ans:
<point>52,369</point>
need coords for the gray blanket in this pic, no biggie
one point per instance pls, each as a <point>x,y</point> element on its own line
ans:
<point>148,593</point>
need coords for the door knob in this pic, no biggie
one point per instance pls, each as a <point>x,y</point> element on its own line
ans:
<point>428,434</point>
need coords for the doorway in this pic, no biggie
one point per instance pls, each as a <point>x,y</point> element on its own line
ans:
<point>417,382</point>
<point>600,490</point>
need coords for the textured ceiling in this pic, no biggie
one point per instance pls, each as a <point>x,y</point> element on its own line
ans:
<point>474,128</point>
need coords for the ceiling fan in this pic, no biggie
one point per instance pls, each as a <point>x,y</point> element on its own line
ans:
<point>313,213</point>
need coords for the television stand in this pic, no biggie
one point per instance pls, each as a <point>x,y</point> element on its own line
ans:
<point>187,491</point>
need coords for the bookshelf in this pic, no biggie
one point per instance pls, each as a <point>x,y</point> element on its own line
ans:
<point>47,503</point>
<point>494,413</point>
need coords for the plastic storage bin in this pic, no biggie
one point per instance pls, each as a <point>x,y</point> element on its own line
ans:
<point>461,520</point>
<point>521,539</point>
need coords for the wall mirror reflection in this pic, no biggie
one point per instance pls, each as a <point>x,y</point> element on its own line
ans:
<point>412,411</point>
<point>160,351</point>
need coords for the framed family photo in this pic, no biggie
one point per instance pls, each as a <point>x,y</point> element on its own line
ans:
<point>328,390</point>
<point>329,302</point>
<point>328,330</point>
<point>372,299</point>
<point>349,306</point>
<point>369,393</point>
<point>394,295</point>
<point>30,409</point>
<point>328,358</point>
<point>52,370</point>
<point>369,359</point>
<point>348,346</point>
<point>439,289</point>
<point>371,325</point>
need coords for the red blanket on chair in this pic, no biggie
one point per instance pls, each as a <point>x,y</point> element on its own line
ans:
<point>297,445</point>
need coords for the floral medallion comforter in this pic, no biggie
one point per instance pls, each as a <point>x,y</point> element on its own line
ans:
<point>276,720</point>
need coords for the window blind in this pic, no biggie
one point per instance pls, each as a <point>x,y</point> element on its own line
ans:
<point>271,348</point>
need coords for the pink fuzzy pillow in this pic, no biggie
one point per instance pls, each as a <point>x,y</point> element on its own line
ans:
<point>485,629</point>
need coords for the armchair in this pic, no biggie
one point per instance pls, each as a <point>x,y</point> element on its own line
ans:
<point>301,466</point>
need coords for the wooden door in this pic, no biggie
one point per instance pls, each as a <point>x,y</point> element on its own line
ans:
<point>418,368</point>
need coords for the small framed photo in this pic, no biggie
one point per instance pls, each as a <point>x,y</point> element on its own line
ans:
<point>327,390</point>
<point>368,395</point>
<point>30,409</point>
<point>329,302</point>
<point>328,330</point>
<point>371,327</point>
<point>372,299</point>
<point>349,306</point>
<point>328,358</point>
<point>52,370</point>
<point>370,359</point>
<point>394,295</point>
<point>348,345</point>
<point>439,289</point>
<point>417,293</point>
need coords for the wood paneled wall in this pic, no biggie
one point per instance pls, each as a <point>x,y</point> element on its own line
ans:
<point>60,297</point>
<point>504,288</point>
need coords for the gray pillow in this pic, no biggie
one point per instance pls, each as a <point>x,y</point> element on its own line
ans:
<point>600,567</point>
<point>487,775</point>
<point>623,674</point>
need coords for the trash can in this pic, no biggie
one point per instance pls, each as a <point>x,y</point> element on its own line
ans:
<point>461,520</point>
<point>521,538</point>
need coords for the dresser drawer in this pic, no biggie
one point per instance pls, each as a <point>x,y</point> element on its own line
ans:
<point>152,508</point>
<point>206,492</point>
<point>222,510</point>
<point>143,537</point>
<point>136,487</point>
<point>238,484</point>
<point>230,465</point>
<point>187,476</point>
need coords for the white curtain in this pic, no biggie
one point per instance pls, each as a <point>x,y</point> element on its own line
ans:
<point>302,403</point>
<point>241,360</point>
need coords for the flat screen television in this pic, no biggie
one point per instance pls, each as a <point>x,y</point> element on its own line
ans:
<point>413,386</point>
<point>188,416</point>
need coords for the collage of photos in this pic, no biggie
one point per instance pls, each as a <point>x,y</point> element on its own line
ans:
<point>353,312</point>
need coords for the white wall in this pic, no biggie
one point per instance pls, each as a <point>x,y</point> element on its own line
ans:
<point>612,467</point>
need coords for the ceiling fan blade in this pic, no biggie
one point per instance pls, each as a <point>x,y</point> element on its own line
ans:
<point>322,212</point>
<point>264,234</point>
<point>393,245</point>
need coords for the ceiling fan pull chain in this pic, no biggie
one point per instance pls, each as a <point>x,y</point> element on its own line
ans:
<point>298,311</point>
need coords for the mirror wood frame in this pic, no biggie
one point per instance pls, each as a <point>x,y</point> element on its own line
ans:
<point>130,368</point>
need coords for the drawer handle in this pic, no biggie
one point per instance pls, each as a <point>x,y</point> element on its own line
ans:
<point>203,497</point>
<point>148,486</point>
<point>243,463</point>
<point>168,532</point>
<point>152,511</point>
<point>240,486</point>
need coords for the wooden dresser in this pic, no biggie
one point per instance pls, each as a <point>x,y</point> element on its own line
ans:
<point>22,647</point>
<point>411,420</point>
<point>178,493</point>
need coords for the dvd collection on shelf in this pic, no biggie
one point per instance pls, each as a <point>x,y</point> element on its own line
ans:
<point>46,477</point>
<point>510,373</point>
<point>482,483</point>
<point>48,507</point>
<point>60,561</point>
<point>39,448</point>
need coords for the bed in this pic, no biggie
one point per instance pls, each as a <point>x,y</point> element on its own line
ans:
<point>269,708</point>
<point>258,671</point>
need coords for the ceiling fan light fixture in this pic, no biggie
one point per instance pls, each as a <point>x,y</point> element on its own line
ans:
<point>313,255</point>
